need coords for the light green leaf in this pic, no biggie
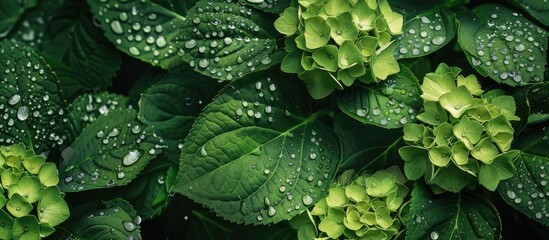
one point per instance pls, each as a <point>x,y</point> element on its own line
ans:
<point>262,127</point>
<point>10,11</point>
<point>503,45</point>
<point>364,17</point>
<point>319,83</point>
<point>457,101</point>
<point>425,31</point>
<point>109,152</point>
<point>526,190</point>
<point>288,22</point>
<point>33,104</point>
<point>447,216</point>
<point>389,104</point>
<point>500,169</point>
<point>88,107</point>
<point>104,219</point>
<point>225,40</point>
<point>355,193</point>
<point>52,209</point>
<point>142,29</point>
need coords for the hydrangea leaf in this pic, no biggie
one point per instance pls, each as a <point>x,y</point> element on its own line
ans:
<point>10,11</point>
<point>434,114</point>
<point>525,190</point>
<point>457,101</point>
<point>503,45</point>
<point>342,28</point>
<point>52,209</point>
<point>110,151</point>
<point>447,216</point>
<point>389,104</point>
<point>317,32</point>
<point>141,29</point>
<point>537,9</point>
<point>226,40</point>
<point>97,219</point>
<point>485,151</point>
<point>26,227</point>
<point>326,57</point>
<point>319,83</point>
<point>468,132</point>
<point>265,108</point>
<point>416,161</point>
<point>500,169</point>
<point>32,102</point>
<point>288,21</point>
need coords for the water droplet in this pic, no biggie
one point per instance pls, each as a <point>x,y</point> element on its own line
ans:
<point>161,42</point>
<point>438,40</point>
<point>134,51</point>
<point>203,152</point>
<point>23,113</point>
<point>272,211</point>
<point>434,235</point>
<point>312,156</point>
<point>130,158</point>
<point>266,171</point>
<point>129,226</point>
<point>117,27</point>
<point>362,112</point>
<point>511,194</point>
<point>376,111</point>
<point>120,175</point>
<point>136,129</point>
<point>307,200</point>
<point>282,188</point>
<point>14,99</point>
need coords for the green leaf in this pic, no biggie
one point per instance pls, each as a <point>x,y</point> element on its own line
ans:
<point>538,9</point>
<point>319,83</point>
<point>88,107</point>
<point>503,45</point>
<point>33,104</point>
<point>109,152</point>
<point>172,104</point>
<point>33,22</point>
<point>26,228</point>
<point>268,136</point>
<point>288,22</point>
<point>367,155</point>
<point>104,220</point>
<point>72,38</point>
<point>537,96</point>
<point>425,31</point>
<point>142,29</point>
<point>526,190</point>
<point>226,40</point>
<point>317,32</point>
<point>271,6</point>
<point>389,104</point>
<point>465,215</point>
<point>52,209</point>
<point>10,11</point>
<point>6,224</point>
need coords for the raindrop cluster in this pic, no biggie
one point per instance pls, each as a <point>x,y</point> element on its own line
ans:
<point>424,34</point>
<point>225,40</point>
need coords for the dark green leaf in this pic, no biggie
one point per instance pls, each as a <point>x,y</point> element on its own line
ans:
<point>465,215</point>
<point>10,11</point>
<point>367,155</point>
<point>30,99</point>
<point>538,97</point>
<point>111,151</point>
<point>226,41</point>
<point>538,9</point>
<point>527,190</point>
<point>503,45</point>
<point>271,6</point>
<point>172,104</point>
<point>88,107</point>
<point>256,154</point>
<point>142,29</point>
<point>388,104</point>
<point>103,220</point>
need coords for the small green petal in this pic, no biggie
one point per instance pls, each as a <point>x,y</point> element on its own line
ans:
<point>435,85</point>
<point>317,32</point>
<point>355,193</point>
<point>383,217</point>
<point>320,208</point>
<point>363,16</point>
<point>457,101</point>
<point>18,206</point>
<point>352,220</point>
<point>319,83</point>
<point>367,45</point>
<point>485,151</point>
<point>471,83</point>
<point>326,57</point>
<point>469,132</point>
<point>507,106</point>
<point>440,155</point>
<point>349,55</point>
<point>500,169</point>
<point>433,115</point>
<point>416,160</point>
<point>413,133</point>
<point>288,22</point>
<point>443,133</point>
<point>460,153</point>
<point>393,19</point>
<point>26,228</point>
<point>384,63</point>
<point>336,198</point>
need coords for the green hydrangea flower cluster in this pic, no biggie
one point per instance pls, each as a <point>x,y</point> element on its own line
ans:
<point>331,42</point>
<point>28,182</point>
<point>464,133</point>
<point>364,208</point>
